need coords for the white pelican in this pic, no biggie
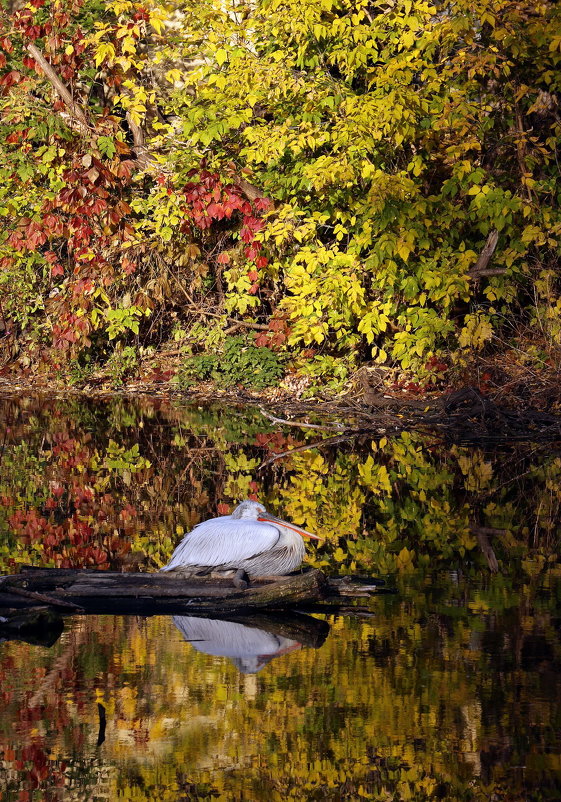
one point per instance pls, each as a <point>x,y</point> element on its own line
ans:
<point>250,539</point>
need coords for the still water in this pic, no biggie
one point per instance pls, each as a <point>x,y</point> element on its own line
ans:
<point>449,688</point>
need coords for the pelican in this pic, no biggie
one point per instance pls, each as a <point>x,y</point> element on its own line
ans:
<point>250,540</point>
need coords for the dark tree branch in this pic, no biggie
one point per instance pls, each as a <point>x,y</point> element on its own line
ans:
<point>480,267</point>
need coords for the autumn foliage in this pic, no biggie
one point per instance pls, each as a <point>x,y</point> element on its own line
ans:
<point>343,181</point>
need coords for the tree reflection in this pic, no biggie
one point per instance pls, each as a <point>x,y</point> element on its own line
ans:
<point>450,690</point>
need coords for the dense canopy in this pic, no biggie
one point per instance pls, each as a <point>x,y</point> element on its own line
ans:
<point>278,185</point>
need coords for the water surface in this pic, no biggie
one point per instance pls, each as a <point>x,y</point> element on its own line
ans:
<point>447,689</point>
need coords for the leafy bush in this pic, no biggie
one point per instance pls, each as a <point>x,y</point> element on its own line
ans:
<point>239,363</point>
<point>122,364</point>
<point>384,146</point>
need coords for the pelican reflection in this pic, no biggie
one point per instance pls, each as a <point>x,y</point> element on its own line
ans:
<point>251,643</point>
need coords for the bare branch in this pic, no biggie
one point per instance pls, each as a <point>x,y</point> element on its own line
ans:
<point>250,190</point>
<point>491,271</point>
<point>74,108</point>
<point>480,267</point>
<point>143,158</point>
<point>298,424</point>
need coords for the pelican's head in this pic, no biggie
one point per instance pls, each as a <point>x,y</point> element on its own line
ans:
<point>257,512</point>
<point>248,509</point>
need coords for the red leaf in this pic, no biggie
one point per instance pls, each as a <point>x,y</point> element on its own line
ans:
<point>278,339</point>
<point>121,147</point>
<point>262,261</point>
<point>215,210</point>
<point>223,258</point>
<point>262,204</point>
<point>33,32</point>
<point>128,266</point>
<point>125,168</point>
<point>57,270</point>
<point>252,251</point>
<point>11,78</point>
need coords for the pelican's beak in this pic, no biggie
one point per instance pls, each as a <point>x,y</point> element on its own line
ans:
<point>266,516</point>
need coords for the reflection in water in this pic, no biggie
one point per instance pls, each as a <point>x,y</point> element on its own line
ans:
<point>248,648</point>
<point>451,689</point>
<point>254,640</point>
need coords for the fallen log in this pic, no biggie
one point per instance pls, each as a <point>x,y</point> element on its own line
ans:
<point>135,593</point>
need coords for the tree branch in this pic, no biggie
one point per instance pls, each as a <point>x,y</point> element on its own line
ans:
<point>74,108</point>
<point>142,156</point>
<point>248,189</point>
<point>480,267</point>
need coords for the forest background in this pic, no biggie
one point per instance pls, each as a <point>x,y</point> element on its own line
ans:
<point>266,191</point>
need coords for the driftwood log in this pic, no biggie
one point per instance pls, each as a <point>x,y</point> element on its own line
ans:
<point>73,591</point>
<point>33,602</point>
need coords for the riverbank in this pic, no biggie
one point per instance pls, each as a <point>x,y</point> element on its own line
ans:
<point>497,400</point>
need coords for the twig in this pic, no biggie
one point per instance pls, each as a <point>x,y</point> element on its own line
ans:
<point>246,324</point>
<point>249,189</point>
<point>490,271</point>
<point>205,313</point>
<point>338,438</point>
<point>299,424</point>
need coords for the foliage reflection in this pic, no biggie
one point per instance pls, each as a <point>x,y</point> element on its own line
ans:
<point>449,689</point>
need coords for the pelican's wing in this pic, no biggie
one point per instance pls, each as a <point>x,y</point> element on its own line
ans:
<point>222,541</point>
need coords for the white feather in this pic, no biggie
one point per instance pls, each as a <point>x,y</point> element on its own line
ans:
<point>222,542</point>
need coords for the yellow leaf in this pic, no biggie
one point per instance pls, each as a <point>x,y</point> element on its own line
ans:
<point>173,75</point>
<point>156,23</point>
<point>221,56</point>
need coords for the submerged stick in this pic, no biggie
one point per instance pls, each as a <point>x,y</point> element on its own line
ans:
<point>299,424</point>
<point>102,724</point>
